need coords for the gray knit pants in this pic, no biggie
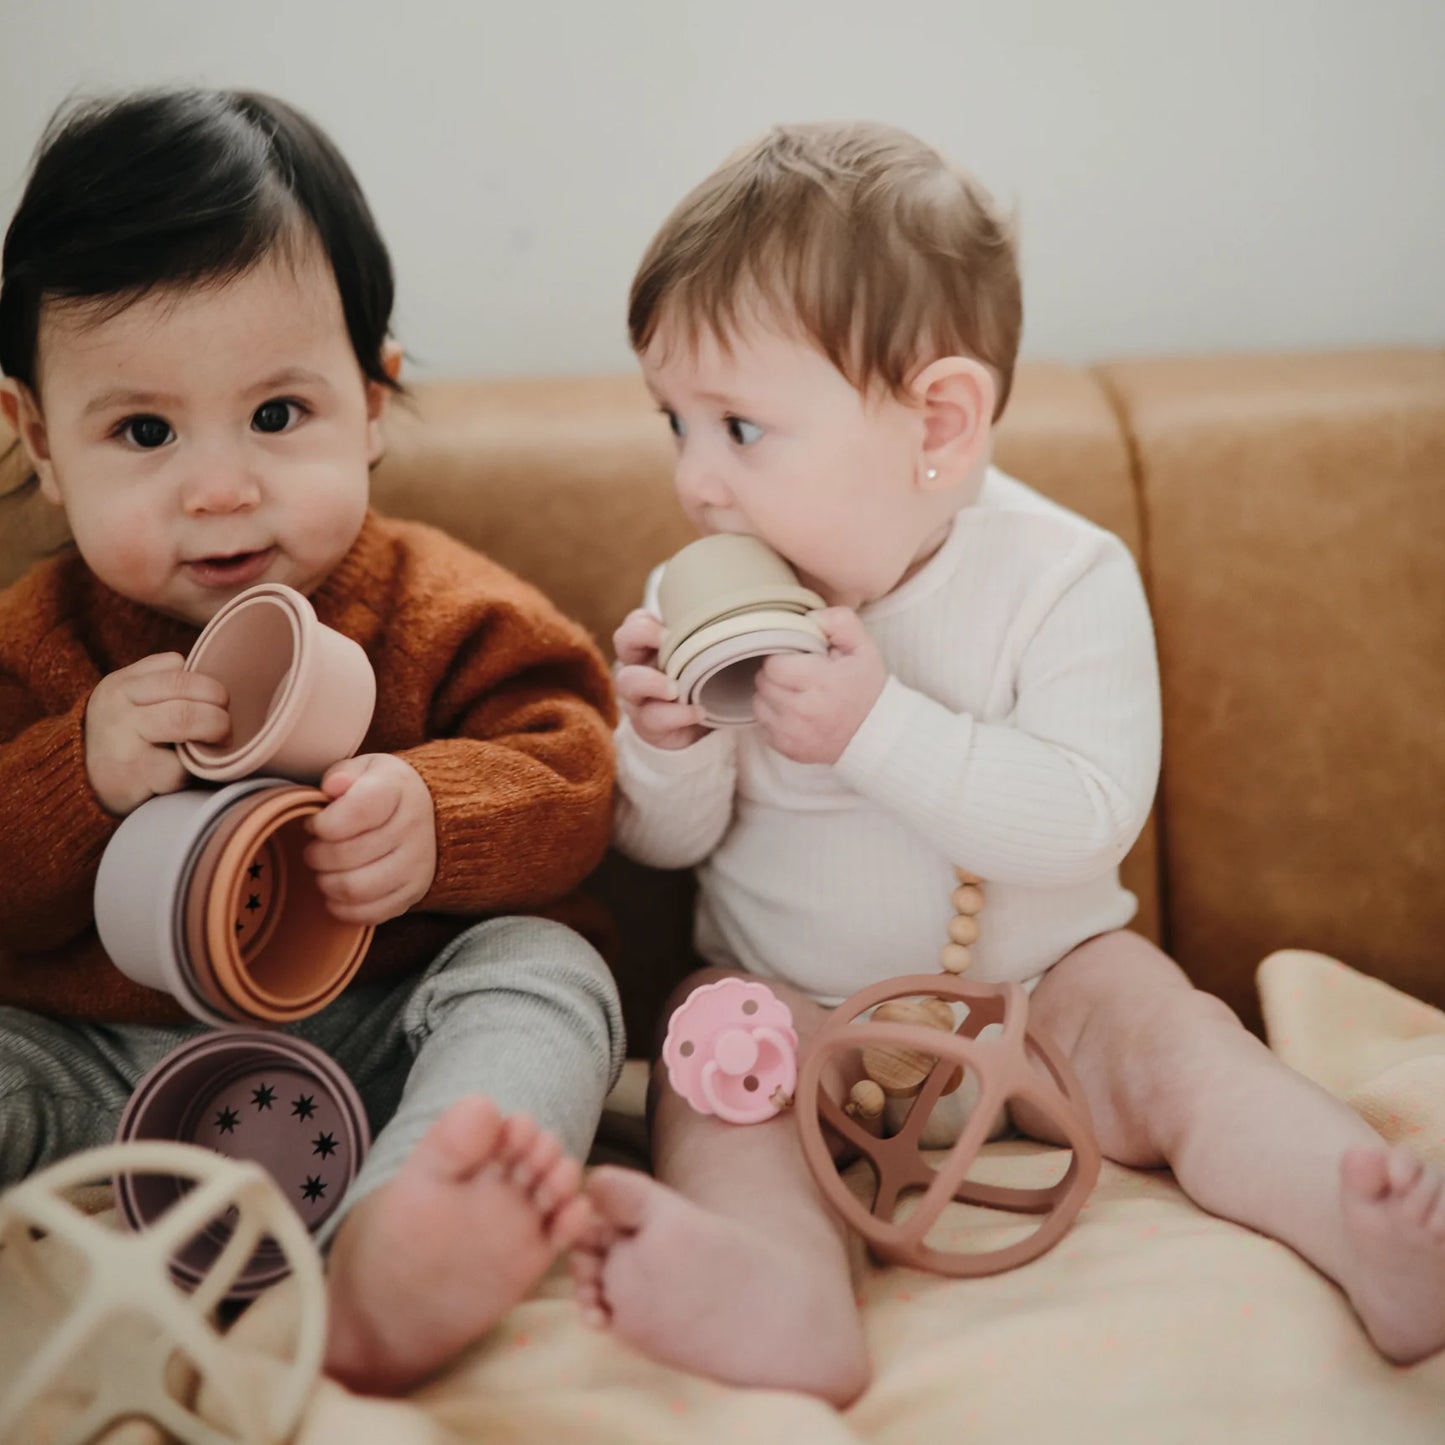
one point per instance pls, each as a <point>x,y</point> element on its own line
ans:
<point>520,1010</point>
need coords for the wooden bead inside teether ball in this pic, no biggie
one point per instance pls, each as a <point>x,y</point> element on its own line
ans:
<point>865,1100</point>
<point>900,1072</point>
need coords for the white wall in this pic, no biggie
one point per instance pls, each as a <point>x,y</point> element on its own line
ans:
<point>1192,175</point>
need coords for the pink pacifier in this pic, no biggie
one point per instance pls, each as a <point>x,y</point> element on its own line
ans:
<point>731,1050</point>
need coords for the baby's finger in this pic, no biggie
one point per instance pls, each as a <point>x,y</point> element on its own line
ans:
<point>367,804</point>
<point>638,638</point>
<point>158,662</point>
<point>166,684</point>
<point>637,684</point>
<point>659,719</point>
<point>774,723</point>
<point>792,671</point>
<point>348,853</point>
<point>843,628</point>
<point>372,911</point>
<point>355,887</point>
<point>182,720</point>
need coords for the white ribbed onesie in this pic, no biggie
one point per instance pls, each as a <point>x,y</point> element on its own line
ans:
<point>1017,737</point>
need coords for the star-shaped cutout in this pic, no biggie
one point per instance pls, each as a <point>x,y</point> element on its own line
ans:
<point>254,871</point>
<point>227,1120</point>
<point>324,1145</point>
<point>304,1107</point>
<point>253,903</point>
<point>263,1097</point>
<point>313,1189</point>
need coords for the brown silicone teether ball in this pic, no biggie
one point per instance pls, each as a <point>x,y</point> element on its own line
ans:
<point>1016,1064</point>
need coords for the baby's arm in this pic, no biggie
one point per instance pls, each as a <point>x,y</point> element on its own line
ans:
<point>673,806</point>
<point>675,778</point>
<point>67,779</point>
<point>520,771</point>
<point>52,828</point>
<point>1057,794</point>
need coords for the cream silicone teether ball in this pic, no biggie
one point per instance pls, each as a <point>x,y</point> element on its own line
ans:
<point>731,1050</point>
<point>109,1334</point>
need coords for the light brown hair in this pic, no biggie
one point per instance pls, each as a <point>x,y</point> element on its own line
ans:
<point>883,252</point>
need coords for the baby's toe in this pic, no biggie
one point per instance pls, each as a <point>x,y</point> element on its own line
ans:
<point>1404,1169</point>
<point>463,1140</point>
<point>569,1223</point>
<point>519,1133</point>
<point>1364,1173</point>
<point>560,1183</point>
<point>535,1164</point>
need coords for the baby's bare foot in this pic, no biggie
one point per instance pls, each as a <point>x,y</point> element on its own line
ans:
<point>702,1292</point>
<point>436,1256</point>
<point>1394,1212</point>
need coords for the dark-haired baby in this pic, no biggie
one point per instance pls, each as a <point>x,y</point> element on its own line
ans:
<point>194,334</point>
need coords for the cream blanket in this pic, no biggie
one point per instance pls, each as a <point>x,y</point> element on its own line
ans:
<point>1151,1321</point>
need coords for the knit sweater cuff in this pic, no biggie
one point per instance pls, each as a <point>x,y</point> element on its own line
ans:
<point>66,829</point>
<point>500,846</point>
<point>51,784</point>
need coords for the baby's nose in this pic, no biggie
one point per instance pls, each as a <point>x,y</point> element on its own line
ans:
<point>699,480</point>
<point>220,489</point>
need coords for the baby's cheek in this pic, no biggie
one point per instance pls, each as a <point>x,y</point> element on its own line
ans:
<point>125,553</point>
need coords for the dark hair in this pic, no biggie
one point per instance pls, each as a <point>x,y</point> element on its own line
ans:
<point>170,187</point>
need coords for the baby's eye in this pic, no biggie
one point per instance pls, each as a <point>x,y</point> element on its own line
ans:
<point>276,416</point>
<point>679,427</point>
<point>744,433</point>
<point>146,432</point>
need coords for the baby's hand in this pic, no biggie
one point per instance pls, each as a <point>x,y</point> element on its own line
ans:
<point>375,848</point>
<point>648,696</point>
<point>134,718</point>
<point>809,705</point>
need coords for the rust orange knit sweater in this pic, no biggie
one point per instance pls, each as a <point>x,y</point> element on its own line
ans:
<point>501,704</point>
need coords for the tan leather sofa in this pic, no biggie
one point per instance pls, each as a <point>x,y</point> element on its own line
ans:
<point>1288,513</point>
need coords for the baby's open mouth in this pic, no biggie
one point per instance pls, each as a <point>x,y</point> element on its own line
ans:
<point>232,570</point>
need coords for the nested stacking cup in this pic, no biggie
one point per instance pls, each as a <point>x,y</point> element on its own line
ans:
<point>206,896</point>
<point>727,603</point>
<point>301,694</point>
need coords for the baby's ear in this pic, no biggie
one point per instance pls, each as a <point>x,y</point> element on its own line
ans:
<point>21,408</point>
<point>391,358</point>
<point>956,396</point>
<point>378,397</point>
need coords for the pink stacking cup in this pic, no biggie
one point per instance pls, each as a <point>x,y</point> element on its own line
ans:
<point>301,694</point>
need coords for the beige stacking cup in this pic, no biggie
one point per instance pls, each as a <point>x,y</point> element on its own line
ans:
<point>727,603</point>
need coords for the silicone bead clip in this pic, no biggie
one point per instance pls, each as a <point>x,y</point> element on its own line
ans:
<point>731,1050</point>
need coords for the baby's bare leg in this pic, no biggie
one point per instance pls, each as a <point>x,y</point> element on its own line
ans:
<point>728,1263</point>
<point>1173,1078</point>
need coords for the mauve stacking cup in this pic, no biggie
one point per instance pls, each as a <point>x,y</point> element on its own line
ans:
<point>264,1097</point>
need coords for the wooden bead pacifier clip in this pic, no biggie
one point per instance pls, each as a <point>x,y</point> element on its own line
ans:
<point>731,1051</point>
